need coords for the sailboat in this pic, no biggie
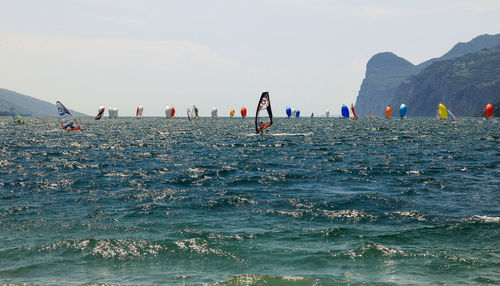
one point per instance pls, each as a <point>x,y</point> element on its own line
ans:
<point>195,112</point>
<point>402,110</point>
<point>100,112</point>
<point>113,112</point>
<point>353,112</point>
<point>169,111</point>
<point>388,112</point>
<point>453,118</point>
<point>488,111</point>
<point>344,111</point>
<point>264,114</point>
<point>68,121</point>
<point>138,113</point>
<point>442,112</point>
<point>16,116</point>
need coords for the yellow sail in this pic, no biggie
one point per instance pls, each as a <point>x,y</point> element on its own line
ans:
<point>442,111</point>
<point>231,113</point>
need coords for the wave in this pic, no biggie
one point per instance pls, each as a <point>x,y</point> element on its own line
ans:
<point>262,279</point>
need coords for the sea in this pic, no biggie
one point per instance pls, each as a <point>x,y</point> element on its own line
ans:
<point>312,201</point>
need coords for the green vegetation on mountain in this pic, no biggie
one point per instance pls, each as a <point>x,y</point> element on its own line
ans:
<point>464,84</point>
<point>385,72</point>
<point>27,105</point>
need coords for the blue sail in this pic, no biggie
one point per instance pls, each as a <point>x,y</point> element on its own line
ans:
<point>402,110</point>
<point>345,111</point>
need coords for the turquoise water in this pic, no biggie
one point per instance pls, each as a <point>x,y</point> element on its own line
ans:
<point>323,201</point>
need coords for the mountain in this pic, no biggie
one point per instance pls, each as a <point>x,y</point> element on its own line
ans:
<point>464,84</point>
<point>386,71</point>
<point>27,105</point>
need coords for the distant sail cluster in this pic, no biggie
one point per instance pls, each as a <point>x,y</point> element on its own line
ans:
<point>113,112</point>
<point>263,115</point>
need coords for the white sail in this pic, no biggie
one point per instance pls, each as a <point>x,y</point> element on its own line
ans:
<point>214,112</point>
<point>453,118</point>
<point>68,121</point>
<point>113,112</point>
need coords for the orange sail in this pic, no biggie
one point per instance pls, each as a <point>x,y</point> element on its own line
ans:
<point>388,112</point>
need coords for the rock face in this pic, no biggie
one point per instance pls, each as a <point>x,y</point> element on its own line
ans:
<point>27,105</point>
<point>464,84</point>
<point>385,72</point>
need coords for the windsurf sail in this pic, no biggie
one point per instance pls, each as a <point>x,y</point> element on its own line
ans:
<point>189,114</point>
<point>100,112</point>
<point>353,112</point>
<point>442,112</point>
<point>214,112</point>
<point>327,113</point>
<point>288,112</point>
<point>68,122</point>
<point>138,113</point>
<point>371,115</point>
<point>16,116</point>
<point>231,113</point>
<point>243,112</point>
<point>264,114</point>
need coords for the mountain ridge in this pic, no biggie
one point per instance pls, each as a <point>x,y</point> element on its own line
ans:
<point>464,84</point>
<point>379,85</point>
<point>27,105</point>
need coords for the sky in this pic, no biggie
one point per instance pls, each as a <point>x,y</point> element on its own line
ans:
<point>309,54</point>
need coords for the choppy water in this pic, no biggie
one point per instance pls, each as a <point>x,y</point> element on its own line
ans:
<point>321,201</point>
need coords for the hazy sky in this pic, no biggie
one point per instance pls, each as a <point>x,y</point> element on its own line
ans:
<point>309,54</point>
